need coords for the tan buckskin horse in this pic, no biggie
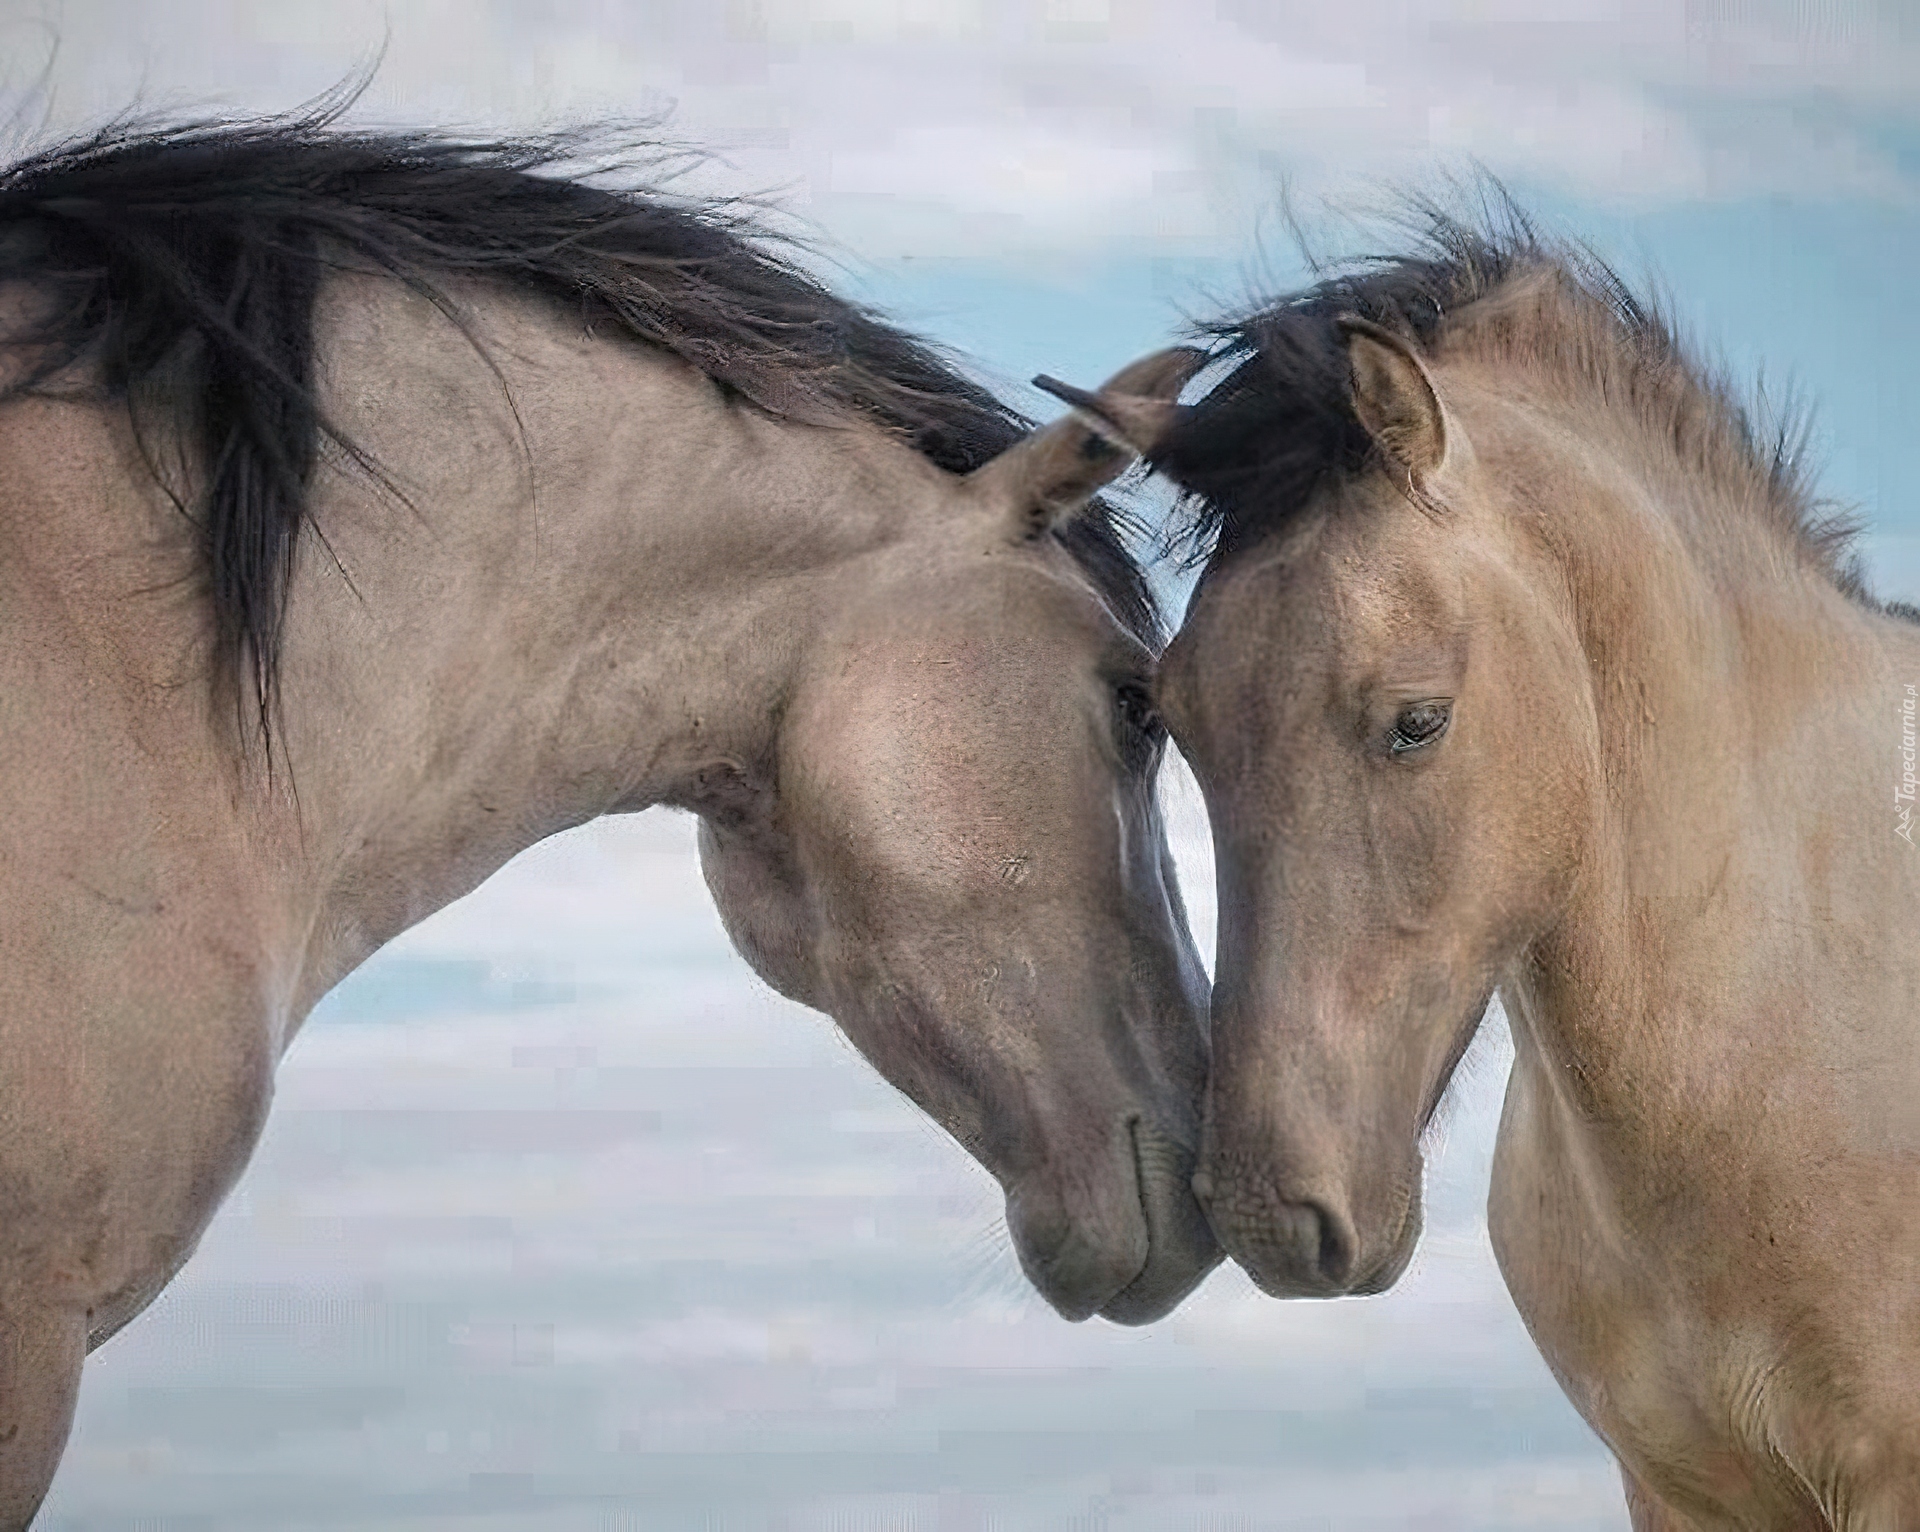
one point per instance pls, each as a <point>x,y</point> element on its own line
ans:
<point>372,507</point>
<point>1521,663</point>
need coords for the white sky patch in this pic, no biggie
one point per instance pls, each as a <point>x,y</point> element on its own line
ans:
<point>990,127</point>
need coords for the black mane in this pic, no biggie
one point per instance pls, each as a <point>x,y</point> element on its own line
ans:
<point>203,245</point>
<point>1281,426</point>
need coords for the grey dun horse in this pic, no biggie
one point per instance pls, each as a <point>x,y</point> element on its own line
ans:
<point>1522,663</point>
<point>372,507</point>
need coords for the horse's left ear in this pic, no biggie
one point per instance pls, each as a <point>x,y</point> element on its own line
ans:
<point>1049,477</point>
<point>1394,396</point>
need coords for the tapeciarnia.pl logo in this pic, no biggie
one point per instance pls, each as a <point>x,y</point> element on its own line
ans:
<point>1903,792</point>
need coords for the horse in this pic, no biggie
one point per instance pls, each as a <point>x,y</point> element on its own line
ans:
<point>1524,660</point>
<point>373,506</point>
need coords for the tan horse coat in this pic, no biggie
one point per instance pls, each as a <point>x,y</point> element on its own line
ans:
<point>1519,666</point>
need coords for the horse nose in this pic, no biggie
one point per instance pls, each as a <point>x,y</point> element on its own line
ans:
<point>1292,1247</point>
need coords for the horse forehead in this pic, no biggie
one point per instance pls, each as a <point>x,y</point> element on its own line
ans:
<point>1258,609</point>
<point>1368,566</point>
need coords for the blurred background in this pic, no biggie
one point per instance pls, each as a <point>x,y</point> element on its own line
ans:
<point>562,1220</point>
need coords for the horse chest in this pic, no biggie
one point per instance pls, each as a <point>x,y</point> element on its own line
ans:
<point>135,1073</point>
<point>1732,1398</point>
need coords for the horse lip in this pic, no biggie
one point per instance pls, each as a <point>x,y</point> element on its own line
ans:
<point>1146,1215</point>
<point>1140,1192</point>
<point>1162,1304</point>
<point>1140,1201</point>
<point>1398,1256</point>
<point>1297,1287</point>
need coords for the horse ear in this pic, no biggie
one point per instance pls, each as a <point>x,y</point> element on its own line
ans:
<point>1394,396</point>
<point>1049,477</point>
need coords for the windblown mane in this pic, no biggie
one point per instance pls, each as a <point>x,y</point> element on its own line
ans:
<point>201,246</point>
<point>1281,424</point>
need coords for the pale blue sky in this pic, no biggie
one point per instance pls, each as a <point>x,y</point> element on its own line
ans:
<point>564,1221</point>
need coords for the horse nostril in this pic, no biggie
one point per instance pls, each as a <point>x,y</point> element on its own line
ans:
<point>1290,1246</point>
<point>1336,1245</point>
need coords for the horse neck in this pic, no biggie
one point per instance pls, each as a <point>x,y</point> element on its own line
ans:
<point>1742,705</point>
<point>595,600</point>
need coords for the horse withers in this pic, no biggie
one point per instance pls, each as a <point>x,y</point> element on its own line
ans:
<point>1522,662</point>
<point>372,507</point>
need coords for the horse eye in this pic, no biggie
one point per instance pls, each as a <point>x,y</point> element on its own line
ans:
<point>1419,724</point>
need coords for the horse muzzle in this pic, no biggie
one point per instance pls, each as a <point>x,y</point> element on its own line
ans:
<point>1129,1246</point>
<point>1303,1243</point>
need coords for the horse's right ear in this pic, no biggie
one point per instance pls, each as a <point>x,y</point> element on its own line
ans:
<point>1396,400</point>
<point>1050,477</point>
